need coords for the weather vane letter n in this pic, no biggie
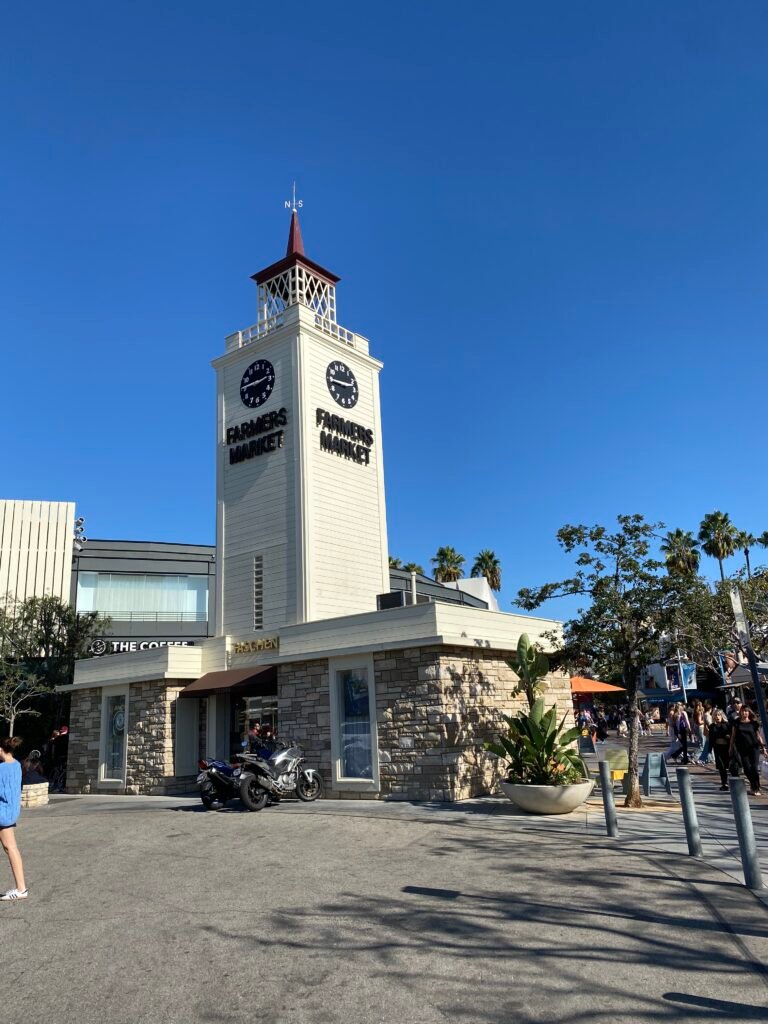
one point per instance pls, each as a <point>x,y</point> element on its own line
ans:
<point>294,203</point>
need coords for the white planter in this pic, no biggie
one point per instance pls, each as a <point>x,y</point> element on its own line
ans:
<point>547,799</point>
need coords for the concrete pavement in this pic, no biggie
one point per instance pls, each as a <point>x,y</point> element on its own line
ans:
<point>148,909</point>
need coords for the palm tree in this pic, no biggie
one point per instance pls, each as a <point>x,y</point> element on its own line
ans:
<point>746,541</point>
<point>487,564</point>
<point>448,565</point>
<point>414,567</point>
<point>681,552</point>
<point>718,537</point>
<point>395,563</point>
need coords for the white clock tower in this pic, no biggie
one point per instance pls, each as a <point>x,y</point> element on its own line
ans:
<point>301,518</point>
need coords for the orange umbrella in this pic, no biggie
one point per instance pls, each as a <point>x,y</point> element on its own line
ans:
<point>580,684</point>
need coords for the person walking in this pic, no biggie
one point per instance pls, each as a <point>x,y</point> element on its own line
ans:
<point>747,742</point>
<point>10,806</point>
<point>719,740</point>
<point>683,731</point>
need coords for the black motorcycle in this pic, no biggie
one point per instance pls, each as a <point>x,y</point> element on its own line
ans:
<point>218,782</point>
<point>281,774</point>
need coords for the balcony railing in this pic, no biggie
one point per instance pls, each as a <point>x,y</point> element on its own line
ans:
<point>124,616</point>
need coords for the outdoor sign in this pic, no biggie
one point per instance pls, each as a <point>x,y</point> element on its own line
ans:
<point>655,773</point>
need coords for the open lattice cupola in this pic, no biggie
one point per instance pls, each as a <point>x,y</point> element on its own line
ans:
<point>295,279</point>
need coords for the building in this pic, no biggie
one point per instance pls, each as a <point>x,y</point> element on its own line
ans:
<point>390,696</point>
<point>36,540</point>
<point>154,594</point>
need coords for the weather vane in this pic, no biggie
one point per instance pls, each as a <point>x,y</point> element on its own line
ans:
<point>294,203</point>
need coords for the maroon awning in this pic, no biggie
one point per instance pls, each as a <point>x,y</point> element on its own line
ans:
<point>241,682</point>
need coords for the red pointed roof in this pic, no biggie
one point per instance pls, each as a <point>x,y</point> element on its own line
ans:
<point>295,244</point>
<point>294,254</point>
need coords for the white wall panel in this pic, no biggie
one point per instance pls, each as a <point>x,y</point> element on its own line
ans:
<point>36,549</point>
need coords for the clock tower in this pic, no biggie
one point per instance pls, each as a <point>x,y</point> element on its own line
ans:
<point>301,518</point>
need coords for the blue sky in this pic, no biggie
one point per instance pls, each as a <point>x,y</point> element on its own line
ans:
<point>550,220</point>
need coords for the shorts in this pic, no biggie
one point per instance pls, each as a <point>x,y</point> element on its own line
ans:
<point>7,826</point>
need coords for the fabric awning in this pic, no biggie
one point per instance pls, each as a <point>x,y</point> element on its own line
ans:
<point>258,681</point>
<point>580,684</point>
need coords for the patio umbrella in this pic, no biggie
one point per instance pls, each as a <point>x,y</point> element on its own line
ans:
<point>580,684</point>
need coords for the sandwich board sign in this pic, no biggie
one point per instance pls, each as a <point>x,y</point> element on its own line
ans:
<point>655,773</point>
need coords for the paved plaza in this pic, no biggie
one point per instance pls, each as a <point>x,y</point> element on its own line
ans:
<point>149,909</point>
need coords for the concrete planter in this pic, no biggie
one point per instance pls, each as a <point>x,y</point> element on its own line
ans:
<point>547,799</point>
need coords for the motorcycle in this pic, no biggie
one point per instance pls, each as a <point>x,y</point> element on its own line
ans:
<point>280,774</point>
<point>218,782</point>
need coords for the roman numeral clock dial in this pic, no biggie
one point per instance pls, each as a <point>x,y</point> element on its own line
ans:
<point>342,385</point>
<point>257,383</point>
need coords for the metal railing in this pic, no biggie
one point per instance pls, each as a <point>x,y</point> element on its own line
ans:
<point>125,616</point>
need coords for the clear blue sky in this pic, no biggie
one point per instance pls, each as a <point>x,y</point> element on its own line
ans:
<point>550,220</point>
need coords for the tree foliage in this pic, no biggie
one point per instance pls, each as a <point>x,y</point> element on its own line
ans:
<point>487,565</point>
<point>630,606</point>
<point>448,565</point>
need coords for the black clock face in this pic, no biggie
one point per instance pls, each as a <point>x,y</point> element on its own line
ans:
<point>342,384</point>
<point>257,383</point>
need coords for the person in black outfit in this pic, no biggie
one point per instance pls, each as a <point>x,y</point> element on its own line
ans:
<point>719,733</point>
<point>747,742</point>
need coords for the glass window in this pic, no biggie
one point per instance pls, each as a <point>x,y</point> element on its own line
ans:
<point>114,740</point>
<point>144,597</point>
<point>354,723</point>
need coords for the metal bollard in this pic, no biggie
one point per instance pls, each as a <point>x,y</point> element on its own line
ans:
<point>690,817</point>
<point>750,862</point>
<point>606,788</point>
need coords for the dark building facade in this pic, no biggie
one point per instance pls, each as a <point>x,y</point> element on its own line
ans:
<point>154,593</point>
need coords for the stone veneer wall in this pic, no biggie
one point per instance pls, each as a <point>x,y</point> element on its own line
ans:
<point>303,712</point>
<point>84,733</point>
<point>436,706</point>
<point>150,741</point>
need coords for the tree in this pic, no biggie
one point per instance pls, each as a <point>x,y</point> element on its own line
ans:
<point>414,567</point>
<point>18,693</point>
<point>631,604</point>
<point>681,551</point>
<point>718,537</point>
<point>745,541</point>
<point>40,640</point>
<point>395,563</point>
<point>448,565</point>
<point>487,564</point>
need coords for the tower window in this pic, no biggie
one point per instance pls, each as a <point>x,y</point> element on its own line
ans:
<point>258,592</point>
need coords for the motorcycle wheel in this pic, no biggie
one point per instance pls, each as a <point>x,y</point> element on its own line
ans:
<point>309,789</point>
<point>212,800</point>
<point>253,795</point>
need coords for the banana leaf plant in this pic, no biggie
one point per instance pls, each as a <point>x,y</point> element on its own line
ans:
<point>537,750</point>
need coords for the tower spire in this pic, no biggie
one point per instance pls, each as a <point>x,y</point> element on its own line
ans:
<point>295,243</point>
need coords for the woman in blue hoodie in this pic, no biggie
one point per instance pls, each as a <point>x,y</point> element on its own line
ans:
<point>10,805</point>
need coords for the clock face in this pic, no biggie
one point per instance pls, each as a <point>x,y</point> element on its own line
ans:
<point>257,383</point>
<point>342,384</point>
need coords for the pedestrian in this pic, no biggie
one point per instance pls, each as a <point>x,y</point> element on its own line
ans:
<point>746,743</point>
<point>719,739</point>
<point>10,806</point>
<point>683,729</point>
<point>705,756</point>
<point>732,711</point>
<point>698,724</point>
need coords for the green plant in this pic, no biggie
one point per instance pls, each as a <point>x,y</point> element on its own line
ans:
<point>531,666</point>
<point>537,750</point>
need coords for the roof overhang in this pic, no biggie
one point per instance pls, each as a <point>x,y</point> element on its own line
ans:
<point>258,681</point>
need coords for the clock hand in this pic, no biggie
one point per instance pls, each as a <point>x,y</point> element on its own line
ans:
<point>254,383</point>
<point>341,383</point>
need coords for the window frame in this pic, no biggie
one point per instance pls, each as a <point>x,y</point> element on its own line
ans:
<point>106,693</point>
<point>339,781</point>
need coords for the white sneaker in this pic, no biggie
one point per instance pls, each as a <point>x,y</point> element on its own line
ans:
<point>15,894</point>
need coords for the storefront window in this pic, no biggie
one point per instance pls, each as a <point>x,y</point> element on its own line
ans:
<point>144,597</point>
<point>354,723</point>
<point>114,738</point>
